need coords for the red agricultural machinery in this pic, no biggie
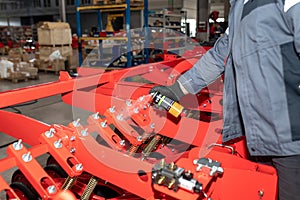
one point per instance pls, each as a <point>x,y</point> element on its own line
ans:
<point>127,147</point>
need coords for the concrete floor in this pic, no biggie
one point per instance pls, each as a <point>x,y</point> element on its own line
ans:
<point>49,110</point>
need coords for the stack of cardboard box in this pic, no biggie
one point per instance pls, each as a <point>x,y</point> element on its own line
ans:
<point>17,66</point>
<point>53,37</point>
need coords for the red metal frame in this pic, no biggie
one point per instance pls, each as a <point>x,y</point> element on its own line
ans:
<point>120,158</point>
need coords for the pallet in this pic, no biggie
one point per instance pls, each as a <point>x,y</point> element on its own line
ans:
<point>34,77</point>
<point>16,80</point>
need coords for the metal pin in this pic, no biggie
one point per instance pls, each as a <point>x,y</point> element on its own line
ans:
<point>50,133</point>
<point>150,68</point>
<point>84,132</point>
<point>58,144</point>
<point>72,150</point>
<point>120,117</point>
<point>18,145</point>
<point>142,98</point>
<point>139,138</point>
<point>27,157</point>
<point>261,193</point>
<point>104,124</point>
<point>128,103</point>
<point>76,123</point>
<point>136,110</point>
<point>96,115</point>
<point>112,109</point>
<point>72,138</point>
<point>122,142</point>
<point>51,189</point>
<point>152,125</point>
<point>79,167</point>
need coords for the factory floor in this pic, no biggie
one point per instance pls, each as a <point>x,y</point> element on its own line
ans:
<point>49,110</point>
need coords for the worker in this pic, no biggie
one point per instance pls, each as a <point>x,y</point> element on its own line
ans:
<point>259,57</point>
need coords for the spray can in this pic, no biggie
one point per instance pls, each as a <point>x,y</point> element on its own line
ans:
<point>168,104</point>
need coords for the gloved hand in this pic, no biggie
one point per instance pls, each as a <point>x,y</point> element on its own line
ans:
<point>174,91</point>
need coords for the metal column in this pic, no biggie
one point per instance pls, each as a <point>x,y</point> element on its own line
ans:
<point>146,29</point>
<point>78,24</point>
<point>202,20</point>
<point>63,11</point>
<point>127,20</point>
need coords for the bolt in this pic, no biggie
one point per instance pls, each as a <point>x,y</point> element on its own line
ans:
<point>76,123</point>
<point>150,68</point>
<point>136,110</point>
<point>79,167</point>
<point>27,157</point>
<point>50,133</point>
<point>139,138</point>
<point>142,98</point>
<point>122,142</point>
<point>261,193</point>
<point>18,145</point>
<point>204,105</point>
<point>128,103</point>
<point>96,115</point>
<point>120,117</point>
<point>84,132</point>
<point>72,150</point>
<point>112,109</point>
<point>51,189</point>
<point>173,150</point>
<point>58,144</point>
<point>72,138</point>
<point>104,124</point>
<point>152,125</point>
<point>171,76</point>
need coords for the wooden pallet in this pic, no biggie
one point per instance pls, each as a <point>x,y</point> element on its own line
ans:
<point>34,77</point>
<point>17,79</point>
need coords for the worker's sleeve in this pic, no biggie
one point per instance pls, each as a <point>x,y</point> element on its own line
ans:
<point>208,68</point>
<point>292,9</point>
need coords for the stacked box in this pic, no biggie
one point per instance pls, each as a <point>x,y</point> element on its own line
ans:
<point>53,37</point>
<point>17,55</point>
<point>46,51</point>
<point>6,66</point>
<point>54,33</point>
<point>55,65</point>
<point>28,70</point>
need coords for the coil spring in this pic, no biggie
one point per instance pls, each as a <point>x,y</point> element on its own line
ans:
<point>69,183</point>
<point>152,144</point>
<point>89,188</point>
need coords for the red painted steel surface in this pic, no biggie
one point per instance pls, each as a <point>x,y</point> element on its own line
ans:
<point>125,140</point>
